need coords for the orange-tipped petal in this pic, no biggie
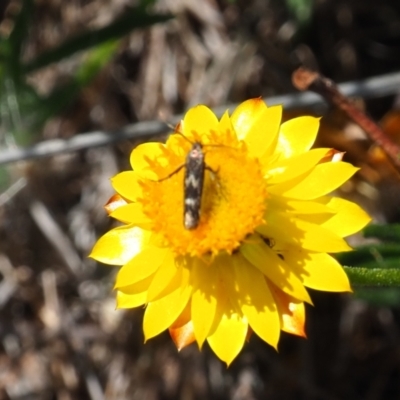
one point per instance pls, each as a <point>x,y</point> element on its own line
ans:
<point>114,202</point>
<point>181,331</point>
<point>334,156</point>
<point>183,335</point>
<point>291,311</point>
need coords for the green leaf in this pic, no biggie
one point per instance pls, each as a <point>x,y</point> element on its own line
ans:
<point>19,107</point>
<point>301,10</point>
<point>92,64</point>
<point>373,277</point>
<point>385,263</point>
<point>21,25</point>
<point>390,233</point>
<point>137,18</point>
<point>375,253</point>
<point>383,297</point>
<point>5,178</point>
<point>17,37</point>
<point>146,3</point>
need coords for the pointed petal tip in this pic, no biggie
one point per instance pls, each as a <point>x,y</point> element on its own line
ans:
<point>302,334</point>
<point>113,203</point>
<point>230,361</point>
<point>275,346</point>
<point>182,336</point>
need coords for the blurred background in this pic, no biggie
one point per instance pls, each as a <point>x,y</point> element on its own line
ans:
<point>78,66</point>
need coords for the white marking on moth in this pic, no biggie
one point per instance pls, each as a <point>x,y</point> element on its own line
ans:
<point>191,202</point>
<point>192,180</point>
<point>189,220</point>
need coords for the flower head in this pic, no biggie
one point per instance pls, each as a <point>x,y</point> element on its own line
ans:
<point>266,225</point>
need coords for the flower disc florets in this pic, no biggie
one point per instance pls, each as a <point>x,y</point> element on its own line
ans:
<point>232,200</point>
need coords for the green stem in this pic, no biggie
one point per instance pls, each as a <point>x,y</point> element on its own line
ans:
<point>373,277</point>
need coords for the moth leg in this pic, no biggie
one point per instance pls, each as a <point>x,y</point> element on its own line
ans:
<point>171,174</point>
<point>213,172</point>
<point>216,181</point>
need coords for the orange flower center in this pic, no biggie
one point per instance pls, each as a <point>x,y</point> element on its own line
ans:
<point>232,202</point>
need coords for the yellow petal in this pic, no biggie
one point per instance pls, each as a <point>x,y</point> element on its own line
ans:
<point>256,301</point>
<point>162,313</point>
<point>138,287</point>
<point>166,279</point>
<point>134,295</point>
<point>274,268</point>
<point>126,184</point>
<point>350,218</point>
<point>257,125</point>
<point>316,219</point>
<point>131,213</point>
<point>297,135</point>
<point>318,271</point>
<point>291,168</point>
<point>130,300</point>
<point>141,266</point>
<point>288,229</point>
<point>119,245</point>
<point>229,337</point>
<point>144,154</point>
<point>199,119</point>
<point>298,207</point>
<point>226,132</point>
<point>323,179</point>
<point>245,114</point>
<point>204,299</point>
<point>178,146</point>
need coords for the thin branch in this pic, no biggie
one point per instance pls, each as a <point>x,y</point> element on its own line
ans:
<point>14,189</point>
<point>83,141</point>
<point>374,87</point>
<point>304,79</point>
<point>55,235</point>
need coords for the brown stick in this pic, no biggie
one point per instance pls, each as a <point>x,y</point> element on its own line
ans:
<point>304,79</point>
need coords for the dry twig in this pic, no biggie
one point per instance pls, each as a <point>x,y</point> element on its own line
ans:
<point>304,79</point>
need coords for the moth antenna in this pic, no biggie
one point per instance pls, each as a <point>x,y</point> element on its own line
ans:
<point>170,126</point>
<point>177,131</point>
<point>187,139</point>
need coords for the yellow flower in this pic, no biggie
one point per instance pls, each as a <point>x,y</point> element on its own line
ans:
<point>265,230</point>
